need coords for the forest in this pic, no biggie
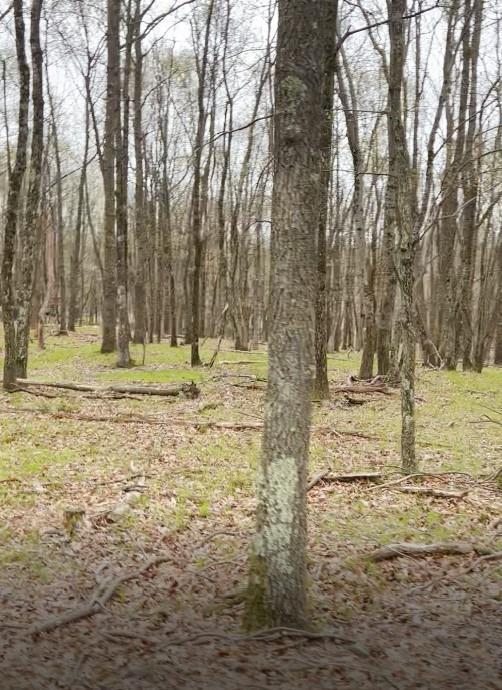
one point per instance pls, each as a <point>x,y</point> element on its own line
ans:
<point>251,344</point>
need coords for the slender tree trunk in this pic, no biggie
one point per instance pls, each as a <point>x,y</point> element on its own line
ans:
<point>196,192</point>
<point>140,274</point>
<point>12,211</point>
<point>321,385</point>
<point>470,177</point>
<point>121,178</point>
<point>75,273</point>
<point>112,124</point>
<point>277,580</point>
<point>407,239</point>
<point>28,238</point>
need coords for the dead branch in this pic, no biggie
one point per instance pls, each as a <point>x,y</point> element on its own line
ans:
<point>488,557</point>
<point>240,361</point>
<point>106,590</point>
<point>103,593</point>
<point>351,477</point>
<point>405,478</point>
<point>188,389</point>
<point>317,478</point>
<point>430,491</point>
<point>169,421</point>
<point>384,390</point>
<point>391,551</point>
<point>41,394</point>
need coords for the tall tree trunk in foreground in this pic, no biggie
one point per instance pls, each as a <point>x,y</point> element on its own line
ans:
<point>406,232</point>
<point>112,123</point>
<point>277,578</point>
<point>15,185</point>
<point>321,385</point>
<point>28,236</point>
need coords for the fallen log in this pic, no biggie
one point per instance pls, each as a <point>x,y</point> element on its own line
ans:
<point>386,553</point>
<point>189,390</point>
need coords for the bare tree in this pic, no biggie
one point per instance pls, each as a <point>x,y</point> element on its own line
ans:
<point>12,213</point>
<point>277,587</point>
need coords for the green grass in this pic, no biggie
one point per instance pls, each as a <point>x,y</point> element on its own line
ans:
<point>195,474</point>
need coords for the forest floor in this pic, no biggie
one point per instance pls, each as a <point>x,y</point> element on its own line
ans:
<point>152,480</point>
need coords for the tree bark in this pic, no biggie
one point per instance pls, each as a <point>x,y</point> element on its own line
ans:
<point>112,123</point>
<point>277,578</point>
<point>406,235</point>
<point>28,238</point>
<point>196,192</point>
<point>121,178</point>
<point>12,212</point>
<point>321,385</point>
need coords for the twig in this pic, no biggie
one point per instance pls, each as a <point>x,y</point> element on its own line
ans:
<point>491,557</point>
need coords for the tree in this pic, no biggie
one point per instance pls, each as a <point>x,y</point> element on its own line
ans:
<point>277,578</point>
<point>28,234</point>
<point>13,200</point>
<point>112,126</point>
<point>202,69</point>
<point>321,385</point>
<point>406,230</point>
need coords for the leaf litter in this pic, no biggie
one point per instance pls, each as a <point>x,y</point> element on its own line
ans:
<point>412,622</point>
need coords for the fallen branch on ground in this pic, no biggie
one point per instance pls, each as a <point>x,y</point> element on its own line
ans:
<point>407,477</point>
<point>240,361</point>
<point>317,478</point>
<point>157,421</point>
<point>386,553</point>
<point>106,590</point>
<point>363,389</point>
<point>351,477</point>
<point>430,491</point>
<point>189,390</point>
<point>488,557</point>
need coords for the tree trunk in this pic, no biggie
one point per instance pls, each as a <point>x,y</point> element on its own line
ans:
<point>12,211</point>
<point>140,274</point>
<point>28,238</point>
<point>75,272</point>
<point>59,217</point>
<point>277,579</point>
<point>121,176</point>
<point>470,177</point>
<point>407,237</point>
<point>196,193</point>
<point>112,123</point>
<point>321,385</point>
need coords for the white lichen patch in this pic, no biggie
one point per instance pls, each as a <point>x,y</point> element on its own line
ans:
<point>274,541</point>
